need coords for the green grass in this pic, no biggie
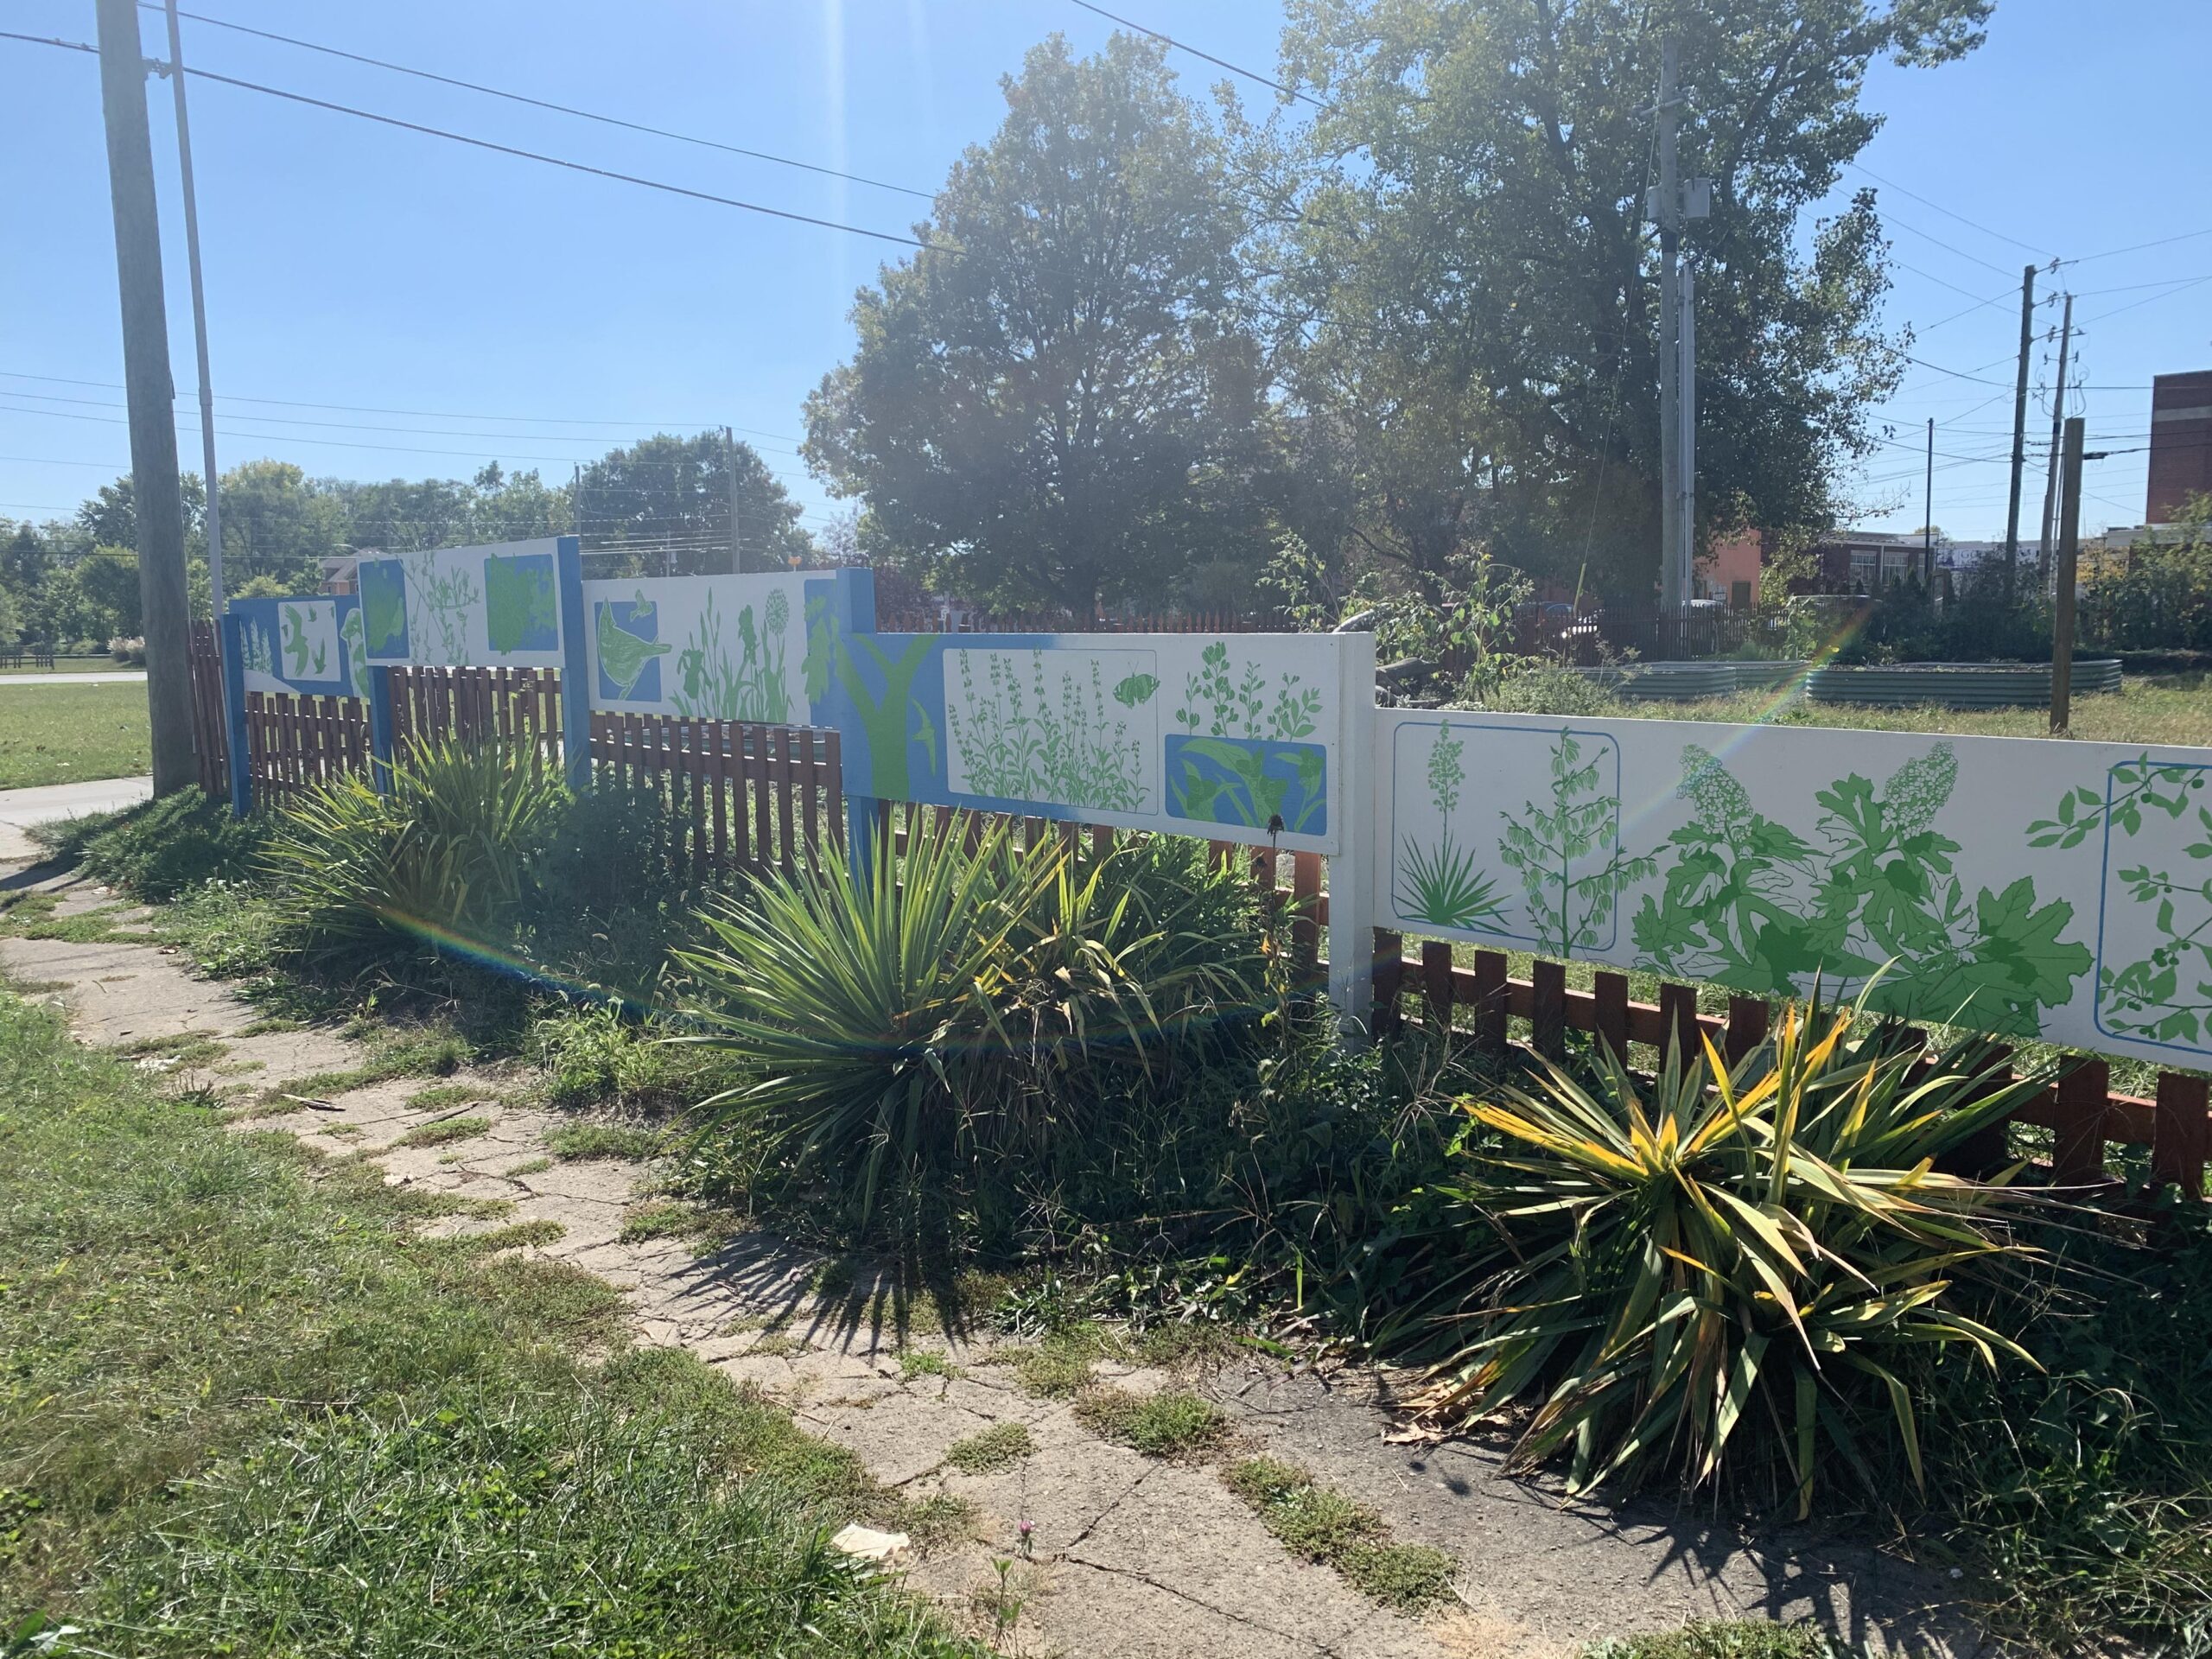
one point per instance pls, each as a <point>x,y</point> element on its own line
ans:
<point>994,1449</point>
<point>278,1449</point>
<point>941,1518</point>
<point>1060,1367</point>
<point>446,1131</point>
<point>1322,1524</point>
<point>925,1362</point>
<point>1748,1638</point>
<point>70,733</point>
<point>438,1096</point>
<point>520,1235</point>
<point>662,1218</point>
<point>578,1143</point>
<point>1170,1424</point>
<point>406,1051</point>
<point>182,1048</point>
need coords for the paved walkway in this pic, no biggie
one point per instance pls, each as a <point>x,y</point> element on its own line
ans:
<point>97,676</point>
<point>21,808</point>
<point>1129,1557</point>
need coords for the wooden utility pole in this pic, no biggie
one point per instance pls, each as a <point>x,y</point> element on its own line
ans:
<point>158,496</point>
<point>2020,429</point>
<point>2050,483</point>
<point>2070,549</point>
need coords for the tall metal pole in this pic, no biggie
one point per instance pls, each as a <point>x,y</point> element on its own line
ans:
<point>199,317</point>
<point>2050,483</point>
<point>1928,516</point>
<point>1673,589</point>
<point>1685,443</point>
<point>2019,430</point>
<point>2069,546</point>
<point>150,395</point>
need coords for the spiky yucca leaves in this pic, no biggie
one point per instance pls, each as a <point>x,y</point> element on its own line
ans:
<point>444,859</point>
<point>1721,1266</point>
<point>961,1001</point>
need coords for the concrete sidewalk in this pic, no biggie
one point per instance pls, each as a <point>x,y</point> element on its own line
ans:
<point>103,677</point>
<point>21,808</point>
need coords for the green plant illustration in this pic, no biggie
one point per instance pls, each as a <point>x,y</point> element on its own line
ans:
<point>355,635</point>
<point>309,658</point>
<point>1445,885</point>
<point>258,650</point>
<point>751,689</point>
<point>1230,704</point>
<point>2165,994</point>
<point>1546,843</point>
<point>440,601</point>
<point>829,656</point>
<point>1135,690</point>
<point>1750,903</point>
<point>1060,745</point>
<point>1228,780</point>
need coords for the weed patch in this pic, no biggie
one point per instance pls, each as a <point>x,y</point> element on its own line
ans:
<point>445,1132</point>
<point>1729,1639</point>
<point>939,1519</point>
<point>661,1218</point>
<point>991,1451</point>
<point>579,1142</point>
<point>1172,1424</point>
<point>1322,1524</point>
<point>1060,1367</point>
<point>925,1362</point>
<point>438,1096</point>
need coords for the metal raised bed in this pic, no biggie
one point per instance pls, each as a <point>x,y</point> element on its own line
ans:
<point>1956,685</point>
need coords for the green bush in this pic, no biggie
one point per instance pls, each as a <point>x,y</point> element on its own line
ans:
<point>1720,1276</point>
<point>964,1012</point>
<point>162,848</point>
<point>441,861</point>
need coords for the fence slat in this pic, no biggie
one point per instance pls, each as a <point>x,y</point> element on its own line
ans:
<point>1389,981</point>
<point>1611,1013</point>
<point>1305,923</point>
<point>764,841</point>
<point>1678,1023</point>
<point>1547,1008</point>
<point>1747,1026</point>
<point>1436,983</point>
<point>785,860</point>
<point>2078,1149</point>
<point>1490,1001</point>
<point>2181,1135</point>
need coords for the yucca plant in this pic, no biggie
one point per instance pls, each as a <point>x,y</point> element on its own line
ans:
<point>859,1000</point>
<point>1726,1266</point>
<point>444,859</point>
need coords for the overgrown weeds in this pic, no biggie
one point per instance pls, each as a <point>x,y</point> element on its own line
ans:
<point>1321,1524</point>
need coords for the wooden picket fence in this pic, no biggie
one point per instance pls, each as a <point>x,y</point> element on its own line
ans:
<point>210,745</point>
<point>754,798</point>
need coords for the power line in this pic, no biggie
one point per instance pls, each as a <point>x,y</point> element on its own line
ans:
<point>2137,247</point>
<point>515,150</point>
<point>1219,63</point>
<point>545,104</point>
<point>2148,299</point>
<point>428,414</point>
<point>1891,219</point>
<point>1947,212</point>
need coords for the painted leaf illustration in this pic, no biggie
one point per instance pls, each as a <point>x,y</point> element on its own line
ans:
<point>623,655</point>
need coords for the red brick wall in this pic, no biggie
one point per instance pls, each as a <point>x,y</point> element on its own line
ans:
<point>2181,444</point>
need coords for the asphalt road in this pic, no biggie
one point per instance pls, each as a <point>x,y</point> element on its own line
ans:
<point>21,808</point>
<point>120,677</point>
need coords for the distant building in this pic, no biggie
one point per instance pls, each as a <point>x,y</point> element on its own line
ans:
<point>1867,561</point>
<point>2181,444</point>
<point>1729,570</point>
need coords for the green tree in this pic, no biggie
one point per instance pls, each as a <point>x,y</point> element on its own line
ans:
<point>279,522</point>
<point>107,581</point>
<point>665,507</point>
<point>1067,409</point>
<point>1475,288</point>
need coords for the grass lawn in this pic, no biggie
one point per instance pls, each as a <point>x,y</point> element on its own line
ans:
<point>67,734</point>
<point>2148,708</point>
<point>246,1410</point>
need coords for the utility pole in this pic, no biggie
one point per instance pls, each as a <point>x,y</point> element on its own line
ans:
<point>736,546</point>
<point>1928,518</point>
<point>2050,483</point>
<point>199,320</point>
<point>1686,444</point>
<point>150,395</point>
<point>1672,591</point>
<point>2069,540</point>
<point>2020,429</point>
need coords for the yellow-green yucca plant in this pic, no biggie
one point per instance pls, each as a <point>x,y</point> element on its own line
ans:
<point>954,1002</point>
<point>443,859</point>
<point>1725,1266</point>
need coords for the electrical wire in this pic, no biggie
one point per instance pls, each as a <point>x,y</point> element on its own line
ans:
<point>517,150</point>
<point>543,104</point>
<point>1859,167</point>
<point>1219,63</point>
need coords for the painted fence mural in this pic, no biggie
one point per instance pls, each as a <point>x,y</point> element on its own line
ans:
<point>703,647</point>
<point>501,605</point>
<point>310,646</point>
<point>1238,738</point>
<point>2013,886</point>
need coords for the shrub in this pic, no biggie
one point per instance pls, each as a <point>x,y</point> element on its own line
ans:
<point>955,1014</point>
<point>594,1057</point>
<point>1727,1268</point>
<point>443,860</point>
<point>162,848</point>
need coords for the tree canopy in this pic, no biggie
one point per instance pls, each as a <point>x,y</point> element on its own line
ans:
<point>666,507</point>
<point>1066,409</point>
<point>1474,287</point>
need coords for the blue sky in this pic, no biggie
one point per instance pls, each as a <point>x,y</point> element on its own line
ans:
<point>355,270</point>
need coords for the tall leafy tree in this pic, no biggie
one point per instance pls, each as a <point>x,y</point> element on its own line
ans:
<point>1475,289</point>
<point>1066,409</point>
<point>665,506</point>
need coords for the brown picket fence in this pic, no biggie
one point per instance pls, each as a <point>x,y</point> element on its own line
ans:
<point>751,798</point>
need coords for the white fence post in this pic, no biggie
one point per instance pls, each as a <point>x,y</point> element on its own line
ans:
<point>1351,871</point>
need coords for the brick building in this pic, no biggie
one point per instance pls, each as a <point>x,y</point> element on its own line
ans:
<point>2181,444</point>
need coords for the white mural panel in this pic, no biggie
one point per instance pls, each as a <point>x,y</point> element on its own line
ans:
<point>709,647</point>
<point>2023,886</point>
<point>456,606</point>
<point>1054,727</point>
